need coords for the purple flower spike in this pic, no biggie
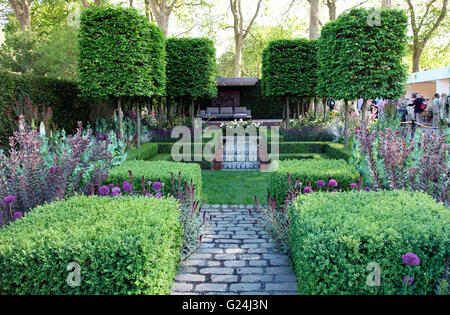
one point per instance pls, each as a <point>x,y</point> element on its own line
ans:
<point>411,259</point>
<point>408,280</point>
<point>103,191</point>
<point>9,199</point>
<point>320,183</point>
<point>126,186</point>
<point>157,186</point>
<point>158,195</point>
<point>332,183</point>
<point>18,215</point>
<point>353,185</point>
<point>366,189</point>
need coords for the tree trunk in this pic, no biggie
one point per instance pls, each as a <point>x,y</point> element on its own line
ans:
<point>417,52</point>
<point>346,123</point>
<point>161,12</point>
<point>161,111</point>
<point>169,110</point>
<point>120,114</point>
<point>287,118</point>
<point>131,3</point>
<point>386,4</point>
<point>298,108</point>
<point>22,12</point>
<point>314,31</point>
<point>315,108</point>
<point>138,125</point>
<point>192,111</point>
<point>238,57</point>
<point>303,108</point>
<point>324,104</point>
<point>331,4</point>
<point>363,114</point>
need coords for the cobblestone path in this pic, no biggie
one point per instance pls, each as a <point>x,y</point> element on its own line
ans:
<point>237,256</point>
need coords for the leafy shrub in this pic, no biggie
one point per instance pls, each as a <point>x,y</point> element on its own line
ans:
<point>36,170</point>
<point>127,245</point>
<point>157,171</point>
<point>337,151</point>
<point>334,237</point>
<point>311,171</point>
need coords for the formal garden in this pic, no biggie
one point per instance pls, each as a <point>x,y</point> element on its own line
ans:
<point>100,195</point>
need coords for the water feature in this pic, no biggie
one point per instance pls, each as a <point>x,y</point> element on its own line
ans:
<point>240,153</point>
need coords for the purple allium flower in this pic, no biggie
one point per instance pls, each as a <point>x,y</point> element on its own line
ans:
<point>115,192</point>
<point>126,186</point>
<point>149,182</point>
<point>111,186</point>
<point>103,191</point>
<point>9,199</point>
<point>366,189</point>
<point>299,184</point>
<point>157,186</point>
<point>158,195</point>
<point>411,259</point>
<point>18,215</point>
<point>320,183</point>
<point>332,183</point>
<point>408,280</point>
<point>353,185</point>
<point>307,190</point>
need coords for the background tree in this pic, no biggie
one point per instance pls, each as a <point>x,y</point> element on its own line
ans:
<point>22,11</point>
<point>122,55</point>
<point>387,4</point>
<point>425,20</point>
<point>240,31</point>
<point>191,69</point>
<point>289,70</point>
<point>365,60</point>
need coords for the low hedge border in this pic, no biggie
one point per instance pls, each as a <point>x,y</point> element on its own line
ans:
<point>123,245</point>
<point>312,171</point>
<point>157,171</point>
<point>146,152</point>
<point>300,156</point>
<point>334,238</point>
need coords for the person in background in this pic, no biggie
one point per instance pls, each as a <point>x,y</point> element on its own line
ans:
<point>418,108</point>
<point>436,110</point>
<point>402,106</point>
<point>331,104</point>
<point>444,106</point>
<point>410,108</point>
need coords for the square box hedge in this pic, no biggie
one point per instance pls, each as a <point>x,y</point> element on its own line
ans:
<point>157,171</point>
<point>334,238</point>
<point>312,171</point>
<point>123,245</point>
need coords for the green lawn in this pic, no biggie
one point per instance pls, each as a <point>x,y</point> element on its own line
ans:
<point>234,187</point>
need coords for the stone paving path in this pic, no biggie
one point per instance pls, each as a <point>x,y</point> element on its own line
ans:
<point>237,256</point>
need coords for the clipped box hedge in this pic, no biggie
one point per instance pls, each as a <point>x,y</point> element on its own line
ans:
<point>157,171</point>
<point>123,245</point>
<point>334,237</point>
<point>312,171</point>
<point>146,152</point>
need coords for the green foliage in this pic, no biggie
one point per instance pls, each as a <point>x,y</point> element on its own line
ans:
<point>146,152</point>
<point>60,95</point>
<point>17,53</point>
<point>359,59</point>
<point>311,171</point>
<point>121,54</point>
<point>262,107</point>
<point>123,245</point>
<point>289,68</point>
<point>334,237</point>
<point>157,171</point>
<point>331,149</point>
<point>191,68</point>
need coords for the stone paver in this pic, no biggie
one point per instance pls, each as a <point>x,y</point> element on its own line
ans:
<point>236,257</point>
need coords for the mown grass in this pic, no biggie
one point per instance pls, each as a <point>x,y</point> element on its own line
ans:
<point>234,187</point>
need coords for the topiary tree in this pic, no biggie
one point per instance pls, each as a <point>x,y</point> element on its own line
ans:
<point>122,56</point>
<point>360,56</point>
<point>289,69</point>
<point>191,69</point>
